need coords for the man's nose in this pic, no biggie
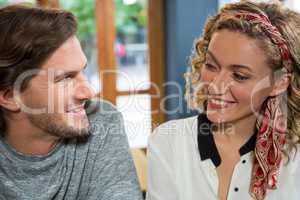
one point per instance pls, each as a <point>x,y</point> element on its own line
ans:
<point>84,90</point>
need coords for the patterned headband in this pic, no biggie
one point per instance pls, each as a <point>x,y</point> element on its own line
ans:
<point>270,140</point>
<point>273,33</point>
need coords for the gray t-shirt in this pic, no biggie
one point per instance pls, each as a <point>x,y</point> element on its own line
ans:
<point>99,168</point>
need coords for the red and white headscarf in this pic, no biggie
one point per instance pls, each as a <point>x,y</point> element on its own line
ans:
<point>272,131</point>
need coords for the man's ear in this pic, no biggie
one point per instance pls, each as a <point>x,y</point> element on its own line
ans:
<point>281,85</point>
<point>7,100</point>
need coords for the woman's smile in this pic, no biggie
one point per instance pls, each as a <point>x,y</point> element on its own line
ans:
<point>218,104</point>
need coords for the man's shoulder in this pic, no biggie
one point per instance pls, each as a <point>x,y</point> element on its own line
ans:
<point>99,106</point>
<point>105,120</point>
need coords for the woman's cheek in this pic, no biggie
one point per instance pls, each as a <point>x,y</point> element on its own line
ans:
<point>241,94</point>
<point>206,76</point>
<point>249,97</point>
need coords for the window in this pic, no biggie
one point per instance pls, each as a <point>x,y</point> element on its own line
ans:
<point>122,66</point>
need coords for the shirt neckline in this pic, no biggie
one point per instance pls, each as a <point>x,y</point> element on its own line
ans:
<point>207,146</point>
<point>35,158</point>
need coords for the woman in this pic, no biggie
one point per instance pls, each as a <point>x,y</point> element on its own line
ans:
<point>245,77</point>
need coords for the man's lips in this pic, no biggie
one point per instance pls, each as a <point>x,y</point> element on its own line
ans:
<point>76,108</point>
<point>78,111</point>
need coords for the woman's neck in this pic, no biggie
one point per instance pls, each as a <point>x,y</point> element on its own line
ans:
<point>238,131</point>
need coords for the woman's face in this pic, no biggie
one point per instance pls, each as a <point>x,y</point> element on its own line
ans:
<point>236,77</point>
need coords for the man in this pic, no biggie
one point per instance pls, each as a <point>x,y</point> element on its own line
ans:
<point>56,143</point>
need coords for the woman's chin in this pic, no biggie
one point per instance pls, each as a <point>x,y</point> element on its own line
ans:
<point>216,117</point>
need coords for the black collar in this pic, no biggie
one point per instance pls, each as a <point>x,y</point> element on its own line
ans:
<point>207,146</point>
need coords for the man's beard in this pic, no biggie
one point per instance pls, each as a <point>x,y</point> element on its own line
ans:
<point>55,125</point>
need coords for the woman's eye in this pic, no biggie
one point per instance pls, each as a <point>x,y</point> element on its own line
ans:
<point>210,67</point>
<point>240,77</point>
<point>68,78</point>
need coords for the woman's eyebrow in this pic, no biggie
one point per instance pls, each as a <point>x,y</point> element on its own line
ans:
<point>233,66</point>
<point>213,58</point>
<point>237,66</point>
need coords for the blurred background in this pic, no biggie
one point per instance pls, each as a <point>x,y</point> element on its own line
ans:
<point>138,51</point>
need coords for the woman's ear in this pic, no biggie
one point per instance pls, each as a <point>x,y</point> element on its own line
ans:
<point>7,100</point>
<point>281,84</point>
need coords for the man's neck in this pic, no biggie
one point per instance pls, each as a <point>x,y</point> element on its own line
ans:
<point>27,139</point>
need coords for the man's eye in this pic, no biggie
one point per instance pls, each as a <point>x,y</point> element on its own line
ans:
<point>69,76</point>
<point>65,79</point>
<point>210,67</point>
<point>239,77</point>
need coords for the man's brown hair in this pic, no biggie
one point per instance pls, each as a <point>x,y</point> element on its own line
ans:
<point>28,37</point>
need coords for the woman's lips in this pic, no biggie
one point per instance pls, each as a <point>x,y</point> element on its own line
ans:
<point>219,104</point>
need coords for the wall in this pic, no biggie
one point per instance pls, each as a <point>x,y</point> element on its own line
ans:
<point>184,23</point>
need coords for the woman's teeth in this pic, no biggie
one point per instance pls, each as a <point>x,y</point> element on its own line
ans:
<point>219,102</point>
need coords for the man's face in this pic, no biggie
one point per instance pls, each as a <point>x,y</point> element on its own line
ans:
<point>55,97</point>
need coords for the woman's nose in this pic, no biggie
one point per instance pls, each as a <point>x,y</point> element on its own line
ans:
<point>219,84</point>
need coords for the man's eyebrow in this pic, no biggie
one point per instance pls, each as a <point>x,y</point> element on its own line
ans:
<point>75,71</point>
<point>64,74</point>
<point>234,66</point>
<point>85,66</point>
<point>67,73</point>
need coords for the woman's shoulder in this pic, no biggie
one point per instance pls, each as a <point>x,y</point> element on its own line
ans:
<point>176,126</point>
<point>172,136</point>
<point>174,130</point>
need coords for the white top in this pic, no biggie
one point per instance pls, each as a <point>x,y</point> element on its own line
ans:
<point>176,170</point>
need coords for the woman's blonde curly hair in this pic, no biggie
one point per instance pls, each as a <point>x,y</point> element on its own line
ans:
<point>288,24</point>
